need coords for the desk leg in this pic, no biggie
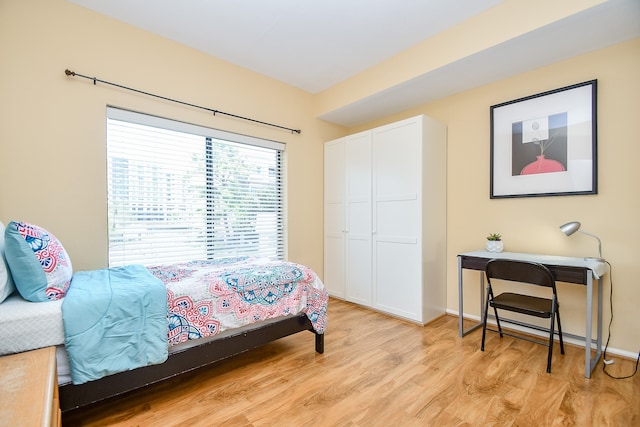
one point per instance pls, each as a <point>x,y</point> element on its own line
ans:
<point>599,339</point>
<point>460,304</point>
<point>461,330</point>
<point>589,362</point>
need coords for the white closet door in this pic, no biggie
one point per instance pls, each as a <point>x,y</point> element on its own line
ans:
<point>359,245</point>
<point>385,218</point>
<point>397,172</point>
<point>335,217</point>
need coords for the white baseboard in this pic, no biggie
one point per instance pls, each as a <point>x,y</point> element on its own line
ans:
<point>568,338</point>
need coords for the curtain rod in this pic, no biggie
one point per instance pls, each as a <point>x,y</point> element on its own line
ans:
<point>74,74</point>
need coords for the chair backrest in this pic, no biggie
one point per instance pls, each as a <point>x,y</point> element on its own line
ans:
<point>520,271</point>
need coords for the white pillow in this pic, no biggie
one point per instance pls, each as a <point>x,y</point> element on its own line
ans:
<point>6,282</point>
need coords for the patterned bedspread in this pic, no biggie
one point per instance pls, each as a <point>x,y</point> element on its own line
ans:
<point>208,297</point>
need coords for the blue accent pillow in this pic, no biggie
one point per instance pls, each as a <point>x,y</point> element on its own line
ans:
<point>40,267</point>
<point>6,282</point>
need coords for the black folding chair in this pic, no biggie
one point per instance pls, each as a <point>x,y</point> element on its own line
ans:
<point>528,273</point>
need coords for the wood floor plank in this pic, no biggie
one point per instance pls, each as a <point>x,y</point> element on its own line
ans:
<point>381,371</point>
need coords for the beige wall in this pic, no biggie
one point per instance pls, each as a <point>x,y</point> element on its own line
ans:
<point>531,224</point>
<point>52,137</point>
<point>52,145</point>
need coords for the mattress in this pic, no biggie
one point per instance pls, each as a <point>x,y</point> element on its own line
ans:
<point>28,325</point>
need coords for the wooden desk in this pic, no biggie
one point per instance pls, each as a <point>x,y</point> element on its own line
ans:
<point>565,269</point>
<point>29,387</point>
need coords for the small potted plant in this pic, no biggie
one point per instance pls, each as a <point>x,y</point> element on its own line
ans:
<point>494,242</point>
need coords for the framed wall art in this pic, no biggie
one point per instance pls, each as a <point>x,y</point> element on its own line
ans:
<point>545,144</point>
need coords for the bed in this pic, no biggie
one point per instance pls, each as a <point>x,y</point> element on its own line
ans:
<point>120,329</point>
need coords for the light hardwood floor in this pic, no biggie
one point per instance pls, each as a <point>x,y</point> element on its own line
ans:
<point>381,371</point>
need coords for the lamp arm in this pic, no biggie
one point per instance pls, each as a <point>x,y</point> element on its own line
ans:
<point>597,238</point>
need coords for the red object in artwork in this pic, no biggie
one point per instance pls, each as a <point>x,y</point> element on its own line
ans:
<point>542,165</point>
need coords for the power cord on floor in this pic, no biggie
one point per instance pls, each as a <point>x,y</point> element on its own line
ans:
<point>604,355</point>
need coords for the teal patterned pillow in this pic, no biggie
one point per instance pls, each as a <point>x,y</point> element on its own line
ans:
<point>6,281</point>
<point>40,267</point>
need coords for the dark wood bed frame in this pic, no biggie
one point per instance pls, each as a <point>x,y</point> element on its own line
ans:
<point>76,396</point>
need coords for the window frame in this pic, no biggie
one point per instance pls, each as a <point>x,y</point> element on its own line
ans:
<point>209,135</point>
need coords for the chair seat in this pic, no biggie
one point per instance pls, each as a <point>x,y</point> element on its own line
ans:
<point>525,304</point>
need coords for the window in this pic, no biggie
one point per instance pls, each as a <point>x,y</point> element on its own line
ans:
<point>179,192</point>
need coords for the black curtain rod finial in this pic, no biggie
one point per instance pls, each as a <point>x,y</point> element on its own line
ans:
<point>68,72</point>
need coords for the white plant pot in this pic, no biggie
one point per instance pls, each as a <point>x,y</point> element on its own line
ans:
<point>494,246</point>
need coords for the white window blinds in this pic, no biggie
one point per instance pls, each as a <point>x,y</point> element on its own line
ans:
<point>179,192</point>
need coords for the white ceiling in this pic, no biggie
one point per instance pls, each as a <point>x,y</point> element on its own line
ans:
<point>313,45</point>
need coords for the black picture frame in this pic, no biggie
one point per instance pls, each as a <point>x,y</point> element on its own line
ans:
<point>545,144</point>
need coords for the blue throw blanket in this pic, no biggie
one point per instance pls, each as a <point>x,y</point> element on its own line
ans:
<point>115,320</point>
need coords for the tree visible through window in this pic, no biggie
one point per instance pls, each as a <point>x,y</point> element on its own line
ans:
<point>179,192</point>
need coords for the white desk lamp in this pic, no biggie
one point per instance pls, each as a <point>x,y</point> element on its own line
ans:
<point>573,226</point>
